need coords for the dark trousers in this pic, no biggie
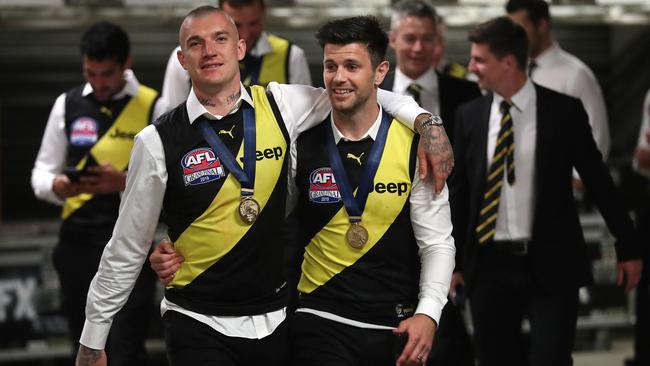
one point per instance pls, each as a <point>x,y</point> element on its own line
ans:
<point>642,326</point>
<point>316,341</point>
<point>452,345</point>
<point>503,293</point>
<point>192,343</point>
<point>76,266</point>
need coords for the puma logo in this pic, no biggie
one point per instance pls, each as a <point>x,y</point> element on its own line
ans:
<point>227,132</point>
<point>358,159</point>
<point>106,111</point>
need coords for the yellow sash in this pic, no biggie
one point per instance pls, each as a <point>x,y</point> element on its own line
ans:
<point>116,151</point>
<point>213,234</point>
<point>274,64</point>
<point>328,252</point>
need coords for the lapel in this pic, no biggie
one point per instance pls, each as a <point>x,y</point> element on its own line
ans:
<point>481,141</point>
<point>544,137</point>
<point>443,97</point>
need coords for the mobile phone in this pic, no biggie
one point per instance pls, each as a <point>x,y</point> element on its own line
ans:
<point>73,174</point>
<point>399,344</point>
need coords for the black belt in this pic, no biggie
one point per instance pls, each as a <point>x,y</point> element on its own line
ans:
<point>518,247</point>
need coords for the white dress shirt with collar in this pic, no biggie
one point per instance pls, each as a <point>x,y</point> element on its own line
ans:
<point>301,107</point>
<point>430,96</point>
<point>516,206</point>
<point>563,72</point>
<point>176,84</point>
<point>51,157</point>
<point>431,221</point>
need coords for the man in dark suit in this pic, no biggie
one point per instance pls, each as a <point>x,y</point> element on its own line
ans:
<point>517,231</point>
<point>413,38</point>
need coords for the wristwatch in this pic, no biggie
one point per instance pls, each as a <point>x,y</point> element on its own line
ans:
<point>431,121</point>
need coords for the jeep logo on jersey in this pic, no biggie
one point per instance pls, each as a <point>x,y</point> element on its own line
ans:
<point>268,153</point>
<point>391,187</point>
<point>83,132</point>
<point>322,186</point>
<point>201,166</point>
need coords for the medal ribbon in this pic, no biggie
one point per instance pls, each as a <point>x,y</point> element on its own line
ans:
<point>246,176</point>
<point>355,205</point>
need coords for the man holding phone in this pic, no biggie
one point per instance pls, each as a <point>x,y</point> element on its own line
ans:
<point>82,165</point>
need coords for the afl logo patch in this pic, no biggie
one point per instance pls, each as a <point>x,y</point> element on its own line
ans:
<point>83,132</point>
<point>201,166</point>
<point>322,186</point>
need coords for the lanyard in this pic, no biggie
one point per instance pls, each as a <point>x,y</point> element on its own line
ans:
<point>246,176</point>
<point>355,205</point>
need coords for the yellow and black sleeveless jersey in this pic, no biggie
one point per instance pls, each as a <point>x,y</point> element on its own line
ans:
<point>230,268</point>
<point>274,65</point>
<point>97,133</point>
<point>379,283</point>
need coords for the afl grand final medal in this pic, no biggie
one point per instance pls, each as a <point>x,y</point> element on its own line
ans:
<point>249,209</point>
<point>357,235</point>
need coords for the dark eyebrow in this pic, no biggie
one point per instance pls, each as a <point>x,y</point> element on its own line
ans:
<point>215,34</point>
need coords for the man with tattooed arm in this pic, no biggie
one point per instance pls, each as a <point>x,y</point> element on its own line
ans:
<point>218,166</point>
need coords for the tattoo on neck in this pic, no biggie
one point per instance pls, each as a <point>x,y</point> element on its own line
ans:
<point>233,97</point>
<point>206,102</point>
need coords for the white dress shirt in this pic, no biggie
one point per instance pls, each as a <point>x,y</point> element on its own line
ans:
<point>431,221</point>
<point>301,107</point>
<point>51,157</point>
<point>645,128</point>
<point>429,96</point>
<point>176,84</point>
<point>561,71</point>
<point>516,206</point>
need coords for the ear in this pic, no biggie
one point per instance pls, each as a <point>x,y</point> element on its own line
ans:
<point>241,49</point>
<point>128,63</point>
<point>381,71</point>
<point>392,37</point>
<point>181,58</point>
<point>544,26</point>
<point>511,62</point>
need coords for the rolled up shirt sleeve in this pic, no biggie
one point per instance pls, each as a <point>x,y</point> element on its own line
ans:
<point>127,249</point>
<point>431,220</point>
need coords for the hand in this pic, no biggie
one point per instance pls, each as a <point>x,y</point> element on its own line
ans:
<point>420,330</point>
<point>577,184</point>
<point>64,188</point>
<point>434,149</point>
<point>103,179</point>
<point>165,261</point>
<point>90,357</point>
<point>630,271</point>
<point>642,157</point>
<point>457,279</point>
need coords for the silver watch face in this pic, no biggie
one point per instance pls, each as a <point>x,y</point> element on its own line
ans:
<point>437,121</point>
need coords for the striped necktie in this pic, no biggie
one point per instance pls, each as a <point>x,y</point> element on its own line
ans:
<point>503,159</point>
<point>415,89</point>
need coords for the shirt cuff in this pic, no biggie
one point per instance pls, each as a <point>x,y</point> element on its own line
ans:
<point>431,308</point>
<point>95,335</point>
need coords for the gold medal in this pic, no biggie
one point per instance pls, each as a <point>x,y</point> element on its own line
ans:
<point>249,209</point>
<point>357,235</point>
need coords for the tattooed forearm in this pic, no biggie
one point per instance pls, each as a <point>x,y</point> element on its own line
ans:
<point>436,142</point>
<point>207,102</point>
<point>87,356</point>
<point>233,97</point>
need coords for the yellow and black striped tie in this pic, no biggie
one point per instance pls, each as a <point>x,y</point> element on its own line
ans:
<point>415,89</point>
<point>503,159</point>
